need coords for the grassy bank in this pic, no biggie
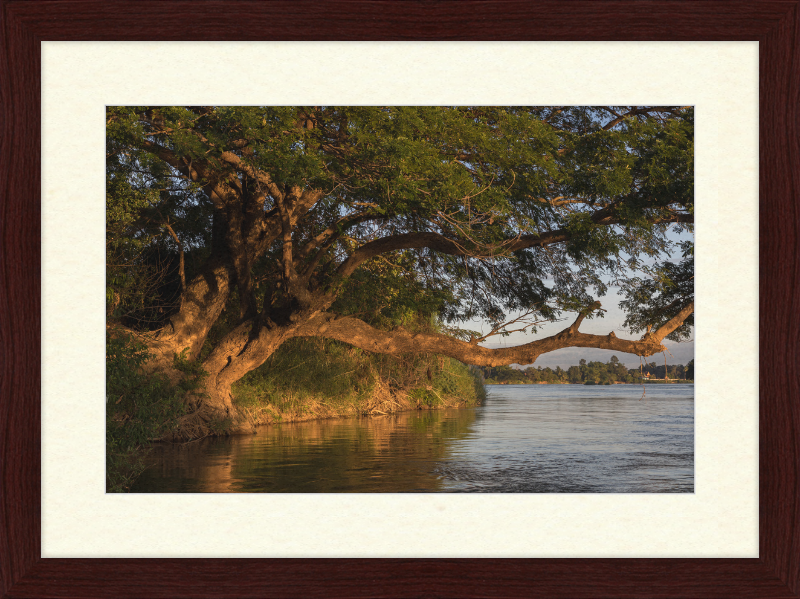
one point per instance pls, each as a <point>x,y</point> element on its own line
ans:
<point>316,378</point>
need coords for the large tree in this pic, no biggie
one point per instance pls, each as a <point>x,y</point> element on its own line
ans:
<point>233,229</point>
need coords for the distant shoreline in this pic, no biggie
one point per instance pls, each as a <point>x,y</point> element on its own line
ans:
<point>599,384</point>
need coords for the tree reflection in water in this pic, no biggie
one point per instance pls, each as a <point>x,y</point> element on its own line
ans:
<point>523,439</point>
<point>394,453</point>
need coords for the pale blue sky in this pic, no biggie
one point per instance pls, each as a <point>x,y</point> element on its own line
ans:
<point>612,321</point>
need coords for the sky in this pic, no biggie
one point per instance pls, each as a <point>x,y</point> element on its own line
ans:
<point>681,353</point>
<point>570,356</point>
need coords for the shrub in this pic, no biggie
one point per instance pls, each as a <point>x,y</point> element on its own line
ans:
<point>139,408</point>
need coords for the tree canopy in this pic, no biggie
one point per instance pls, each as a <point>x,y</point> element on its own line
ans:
<point>232,229</point>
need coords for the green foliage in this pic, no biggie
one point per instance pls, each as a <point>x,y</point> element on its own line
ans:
<point>425,397</point>
<point>303,370</point>
<point>139,408</point>
<point>307,377</point>
<point>386,293</point>
<point>650,302</point>
<point>478,175</point>
<point>143,199</point>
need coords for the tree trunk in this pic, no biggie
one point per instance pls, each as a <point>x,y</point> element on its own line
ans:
<point>244,349</point>
<point>202,303</point>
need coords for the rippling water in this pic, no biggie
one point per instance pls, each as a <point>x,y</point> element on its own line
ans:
<point>524,439</point>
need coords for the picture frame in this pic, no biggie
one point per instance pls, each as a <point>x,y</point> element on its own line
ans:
<point>23,573</point>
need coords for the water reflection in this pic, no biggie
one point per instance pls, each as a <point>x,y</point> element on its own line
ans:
<point>526,438</point>
<point>393,453</point>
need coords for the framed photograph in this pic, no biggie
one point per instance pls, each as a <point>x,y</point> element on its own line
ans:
<point>62,535</point>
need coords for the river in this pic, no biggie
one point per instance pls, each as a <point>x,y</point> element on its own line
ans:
<point>523,439</point>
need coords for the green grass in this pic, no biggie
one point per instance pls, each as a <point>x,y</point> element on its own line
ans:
<point>319,378</point>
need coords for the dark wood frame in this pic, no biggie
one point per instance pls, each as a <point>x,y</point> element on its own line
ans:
<point>775,24</point>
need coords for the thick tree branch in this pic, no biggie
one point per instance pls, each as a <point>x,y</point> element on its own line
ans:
<point>673,323</point>
<point>323,238</point>
<point>360,334</point>
<point>181,269</point>
<point>256,174</point>
<point>462,247</point>
<point>286,237</point>
<point>639,111</point>
<point>168,156</point>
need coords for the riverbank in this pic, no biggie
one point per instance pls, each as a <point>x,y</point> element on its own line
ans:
<point>311,379</point>
<point>306,379</point>
<point>380,402</point>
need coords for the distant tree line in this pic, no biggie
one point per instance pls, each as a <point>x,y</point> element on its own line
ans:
<point>598,373</point>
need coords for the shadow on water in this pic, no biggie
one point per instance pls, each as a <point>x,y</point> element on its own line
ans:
<point>524,439</point>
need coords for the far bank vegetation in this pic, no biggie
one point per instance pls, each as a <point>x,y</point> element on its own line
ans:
<point>591,373</point>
